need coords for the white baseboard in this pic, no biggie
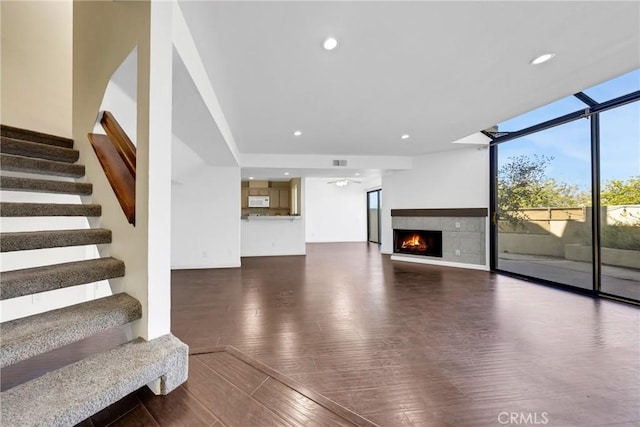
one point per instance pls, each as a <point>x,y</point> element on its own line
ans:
<point>203,266</point>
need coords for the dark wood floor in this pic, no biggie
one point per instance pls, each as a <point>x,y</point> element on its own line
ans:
<point>406,344</point>
<point>228,388</point>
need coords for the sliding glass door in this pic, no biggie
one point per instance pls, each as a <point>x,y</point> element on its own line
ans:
<point>544,205</point>
<point>373,215</point>
<point>620,201</point>
<point>566,191</point>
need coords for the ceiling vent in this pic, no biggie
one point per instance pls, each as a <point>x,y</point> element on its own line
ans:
<point>339,163</point>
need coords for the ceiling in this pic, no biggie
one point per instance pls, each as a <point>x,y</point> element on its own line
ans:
<point>438,71</point>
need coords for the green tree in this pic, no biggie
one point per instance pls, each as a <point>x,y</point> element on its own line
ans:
<point>520,184</point>
<point>618,192</point>
<point>523,183</point>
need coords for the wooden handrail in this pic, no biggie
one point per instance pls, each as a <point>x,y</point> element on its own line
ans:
<point>120,140</point>
<point>117,155</point>
<point>119,176</point>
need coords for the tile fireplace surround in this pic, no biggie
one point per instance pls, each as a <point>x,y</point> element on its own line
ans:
<point>463,230</point>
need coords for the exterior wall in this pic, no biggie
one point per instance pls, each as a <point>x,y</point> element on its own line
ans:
<point>566,233</point>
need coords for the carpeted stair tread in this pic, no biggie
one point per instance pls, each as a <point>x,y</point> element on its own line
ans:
<point>10,162</point>
<point>17,283</point>
<point>29,135</point>
<point>16,209</point>
<point>45,186</point>
<point>19,147</point>
<point>72,394</point>
<point>29,336</point>
<point>28,240</point>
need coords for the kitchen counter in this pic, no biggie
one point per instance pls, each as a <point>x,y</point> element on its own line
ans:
<point>271,217</point>
<point>269,235</point>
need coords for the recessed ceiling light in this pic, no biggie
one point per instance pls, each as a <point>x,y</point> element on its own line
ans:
<point>405,136</point>
<point>357,174</point>
<point>286,173</point>
<point>542,58</point>
<point>330,43</point>
<point>250,177</point>
<point>297,133</point>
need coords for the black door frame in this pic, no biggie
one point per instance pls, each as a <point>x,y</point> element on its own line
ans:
<point>592,111</point>
<point>379,193</point>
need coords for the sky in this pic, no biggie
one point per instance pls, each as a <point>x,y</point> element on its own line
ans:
<point>569,144</point>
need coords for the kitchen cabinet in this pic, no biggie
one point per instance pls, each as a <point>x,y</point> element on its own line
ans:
<point>283,198</point>
<point>274,198</point>
<point>258,191</point>
<point>280,195</point>
<point>244,197</point>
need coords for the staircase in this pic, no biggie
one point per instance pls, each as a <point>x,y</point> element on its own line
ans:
<point>71,394</point>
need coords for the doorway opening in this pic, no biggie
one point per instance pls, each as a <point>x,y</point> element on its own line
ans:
<point>374,201</point>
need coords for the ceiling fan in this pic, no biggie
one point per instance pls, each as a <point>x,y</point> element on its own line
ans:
<point>343,182</point>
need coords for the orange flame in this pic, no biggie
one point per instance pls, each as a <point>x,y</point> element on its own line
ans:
<point>414,242</point>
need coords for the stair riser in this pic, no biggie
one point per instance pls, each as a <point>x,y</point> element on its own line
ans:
<point>45,186</point>
<point>32,197</point>
<point>38,334</point>
<point>35,280</point>
<point>39,223</point>
<point>32,165</point>
<point>42,138</point>
<point>48,209</point>
<point>10,242</point>
<point>40,151</point>
<point>42,257</point>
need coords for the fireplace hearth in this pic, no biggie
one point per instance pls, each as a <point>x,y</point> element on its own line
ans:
<point>418,242</point>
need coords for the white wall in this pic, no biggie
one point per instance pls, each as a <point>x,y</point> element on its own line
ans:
<point>335,214</point>
<point>120,97</point>
<point>450,179</point>
<point>205,219</point>
<point>37,94</point>
<point>104,34</point>
<point>37,65</point>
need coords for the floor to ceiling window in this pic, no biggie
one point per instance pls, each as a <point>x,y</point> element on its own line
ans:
<point>566,191</point>
<point>620,201</point>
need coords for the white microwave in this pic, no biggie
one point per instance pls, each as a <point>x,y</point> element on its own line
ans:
<point>258,201</point>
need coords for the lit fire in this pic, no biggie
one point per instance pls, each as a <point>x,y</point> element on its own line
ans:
<point>414,242</point>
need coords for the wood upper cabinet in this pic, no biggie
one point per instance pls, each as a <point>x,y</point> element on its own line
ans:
<point>244,197</point>
<point>278,191</point>
<point>284,198</point>
<point>274,198</point>
<point>258,191</point>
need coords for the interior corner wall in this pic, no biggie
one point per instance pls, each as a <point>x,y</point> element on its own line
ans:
<point>205,219</point>
<point>334,214</point>
<point>450,179</point>
<point>37,56</point>
<point>104,33</point>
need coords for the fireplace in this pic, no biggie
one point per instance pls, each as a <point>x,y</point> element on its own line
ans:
<point>418,242</point>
